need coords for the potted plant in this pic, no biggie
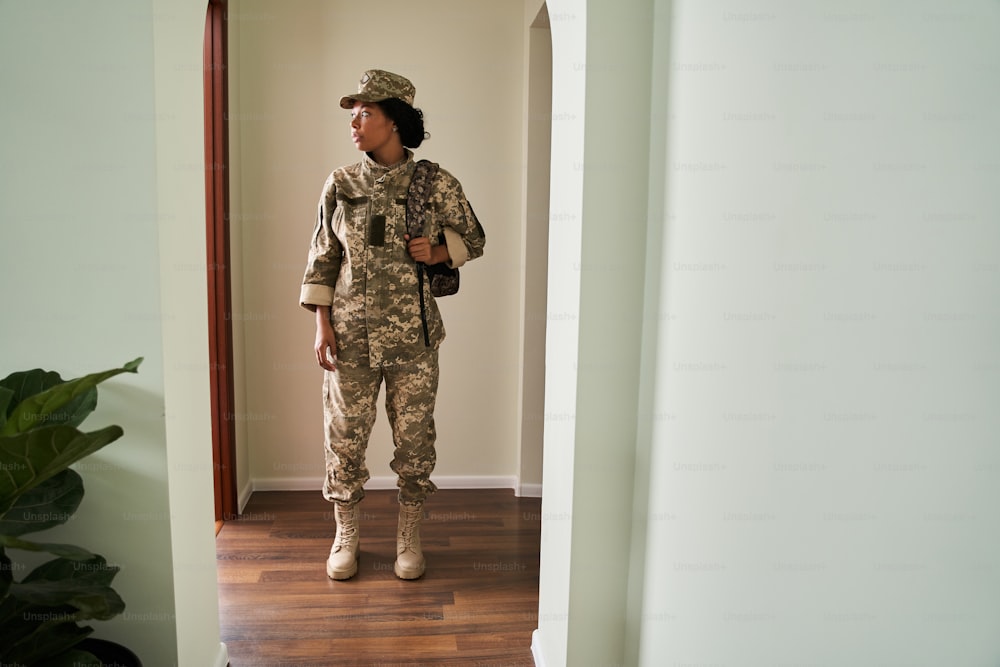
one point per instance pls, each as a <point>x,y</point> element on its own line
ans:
<point>40,612</point>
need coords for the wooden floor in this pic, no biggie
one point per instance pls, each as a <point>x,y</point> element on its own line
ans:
<point>476,605</point>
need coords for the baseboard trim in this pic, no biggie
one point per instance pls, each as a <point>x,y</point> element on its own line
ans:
<point>386,482</point>
<point>222,657</point>
<point>536,649</point>
<point>244,496</point>
<point>530,491</point>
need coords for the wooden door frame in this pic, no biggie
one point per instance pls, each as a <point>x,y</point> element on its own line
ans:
<point>220,331</point>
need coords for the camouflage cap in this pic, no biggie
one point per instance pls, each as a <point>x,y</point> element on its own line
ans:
<point>377,85</point>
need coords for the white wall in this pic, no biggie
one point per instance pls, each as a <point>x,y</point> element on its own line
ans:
<point>568,26</point>
<point>178,39</point>
<point>238,221</point>
<point>537,141</point>
<point>825,460</point>
<point>821,469</point>
<point>103,259</point>
<point>292,66</point>
<point>77,168</point>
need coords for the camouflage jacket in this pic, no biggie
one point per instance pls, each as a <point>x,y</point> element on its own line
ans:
<point>369,279</point>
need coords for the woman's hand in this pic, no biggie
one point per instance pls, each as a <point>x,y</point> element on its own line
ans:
<point>326,340</point>
<point>421,250</point>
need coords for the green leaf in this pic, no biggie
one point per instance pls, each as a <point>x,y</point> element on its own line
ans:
<point>29,383</point>
<point>88,599</point>
<point>6,401</point>
<point>51,503</point>
<point>31,458</point>
<point>41,409</point>
<point>95,570</point>
<point>83,586</point>
<point>26,384</point>
<point>70,551</point>
<point>45,640</point>
<point>6,573</point>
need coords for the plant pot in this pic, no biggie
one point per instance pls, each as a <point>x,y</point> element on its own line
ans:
<point>109,653</point>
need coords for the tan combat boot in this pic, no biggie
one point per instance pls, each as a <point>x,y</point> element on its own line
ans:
<point>409,557</point>
<point>343,560</point>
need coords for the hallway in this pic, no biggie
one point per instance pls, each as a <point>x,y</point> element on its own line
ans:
<point>477,603</point>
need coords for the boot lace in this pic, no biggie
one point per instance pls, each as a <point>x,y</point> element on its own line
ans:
<point>347,528</point>
<point>411,517</point>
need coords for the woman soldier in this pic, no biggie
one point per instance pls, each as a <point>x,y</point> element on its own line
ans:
<point>372,324</point>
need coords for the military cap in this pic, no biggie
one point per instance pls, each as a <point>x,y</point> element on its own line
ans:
<point>377,85</point>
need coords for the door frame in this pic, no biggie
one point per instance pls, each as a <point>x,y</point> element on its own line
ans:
<point>219,268</point>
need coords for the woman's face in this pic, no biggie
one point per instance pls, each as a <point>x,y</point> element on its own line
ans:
<point>371,129</point>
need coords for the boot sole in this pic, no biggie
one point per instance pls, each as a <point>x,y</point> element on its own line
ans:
<point>408,574</point>
<point>339,575</point>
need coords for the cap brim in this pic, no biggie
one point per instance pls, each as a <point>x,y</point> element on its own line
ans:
<point>348,101</point>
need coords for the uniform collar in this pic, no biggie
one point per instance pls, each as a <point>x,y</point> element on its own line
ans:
<point>379,170</point>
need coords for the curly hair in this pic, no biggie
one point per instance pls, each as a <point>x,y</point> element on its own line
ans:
<point>409,121</point>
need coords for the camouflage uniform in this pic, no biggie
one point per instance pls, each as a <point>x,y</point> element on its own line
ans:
<point>371,286</point>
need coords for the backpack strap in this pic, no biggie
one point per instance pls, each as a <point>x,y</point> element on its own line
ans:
<point>416,212</point>
<point>417,196</point>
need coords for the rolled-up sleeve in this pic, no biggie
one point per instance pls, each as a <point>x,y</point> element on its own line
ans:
<point>463,234</point>
<point>458,253</point>
<point>325,255</point>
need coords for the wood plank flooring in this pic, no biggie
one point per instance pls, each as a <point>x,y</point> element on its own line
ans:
<point>476,605</point>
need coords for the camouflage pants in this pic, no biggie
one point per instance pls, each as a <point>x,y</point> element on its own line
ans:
<point>349,404</point>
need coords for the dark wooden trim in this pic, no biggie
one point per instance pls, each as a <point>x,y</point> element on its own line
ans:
<point>220,332</point>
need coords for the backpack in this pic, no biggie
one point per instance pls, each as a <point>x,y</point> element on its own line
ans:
<point>443,279</point>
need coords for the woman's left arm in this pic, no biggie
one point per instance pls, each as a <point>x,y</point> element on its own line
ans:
<point>464,237</point>
<point>421,250</point>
